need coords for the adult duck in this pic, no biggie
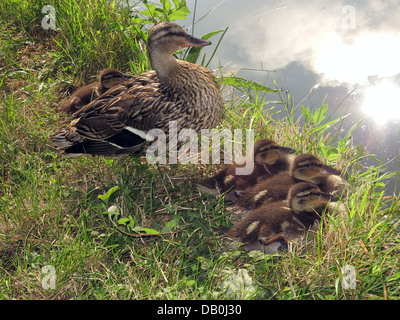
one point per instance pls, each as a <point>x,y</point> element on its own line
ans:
<point>175,91</point>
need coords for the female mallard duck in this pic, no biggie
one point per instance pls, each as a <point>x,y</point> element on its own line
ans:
<point>305,167</point>
<point>108,78</point>
<point>176,91</point>
<point>269,158</point>
<point>282,220</point>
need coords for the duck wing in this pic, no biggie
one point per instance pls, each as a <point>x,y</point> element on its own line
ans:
<point>118,121</point>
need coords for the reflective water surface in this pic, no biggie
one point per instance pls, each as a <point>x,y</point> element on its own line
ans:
<point>346,53</point>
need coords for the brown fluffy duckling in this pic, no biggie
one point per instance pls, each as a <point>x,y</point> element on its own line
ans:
<point>305,167</point>
<point>108,78</point>
<point>179,92</point>
<point>269,159</point>
<point>282,220</point>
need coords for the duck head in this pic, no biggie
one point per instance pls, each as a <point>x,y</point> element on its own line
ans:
<point>111,77</point>
<point>307,167</point>
<point>307,197</point>
<point>165,39</point>
<point>269,152</point>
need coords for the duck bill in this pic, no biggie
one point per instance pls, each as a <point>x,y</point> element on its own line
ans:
<point>329,197</point>
<point>330,170</point>
<point>195,42</point>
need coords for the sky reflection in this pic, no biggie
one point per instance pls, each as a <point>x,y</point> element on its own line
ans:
<point>336,47</point>
<point>381,102</point>
<point>341,42</point>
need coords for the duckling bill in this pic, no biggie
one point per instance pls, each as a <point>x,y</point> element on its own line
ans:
<point>118,121</point>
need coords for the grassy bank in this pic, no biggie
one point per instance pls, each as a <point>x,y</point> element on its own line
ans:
<point>54,211</point>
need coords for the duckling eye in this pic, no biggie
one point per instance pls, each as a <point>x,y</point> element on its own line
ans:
<point>317,165</point>
<point>264,149</point>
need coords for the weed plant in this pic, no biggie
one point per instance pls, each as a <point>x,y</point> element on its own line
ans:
<point>118,228</point>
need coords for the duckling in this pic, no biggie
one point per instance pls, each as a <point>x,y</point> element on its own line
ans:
<point>269,159</point>
<point>108,78</point>
<point>308,167</point>
<point>176,91</point>
<point>305,167</point>
<point>282,220</point>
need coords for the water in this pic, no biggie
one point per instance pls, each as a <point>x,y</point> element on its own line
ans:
<point>335,47</point>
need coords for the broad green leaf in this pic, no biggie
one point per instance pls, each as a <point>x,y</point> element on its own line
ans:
<point>138,229</point>
<point>150,10</point>
<point>179,14</point>
<point>159,12</point>
<point>179,3</point>
<point>150,231</point>
<point>108,194</point>
<point>123,221</point>
<point>167,5</point>
<point>146,230</point>
<point>320,114</point>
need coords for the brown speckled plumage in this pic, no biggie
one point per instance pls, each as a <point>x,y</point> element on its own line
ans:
<point>305,167</point>
<point>82,96</point>
<point>118,121</point>
<point>269,159</point>
<point>282,220</point>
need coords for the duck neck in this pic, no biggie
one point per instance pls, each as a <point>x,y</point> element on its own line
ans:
<point>166,67</point>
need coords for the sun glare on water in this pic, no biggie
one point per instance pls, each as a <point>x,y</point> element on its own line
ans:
<point>355,61</point>
<point>381,102</point>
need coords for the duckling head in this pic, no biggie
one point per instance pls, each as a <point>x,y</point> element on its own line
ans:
<point>307,197</point>
<point>111,77</point>
<point>306,167</point>
<point>164,39</point>
<point>269,152</point>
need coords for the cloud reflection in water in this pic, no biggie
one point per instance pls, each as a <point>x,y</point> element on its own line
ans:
<point>341,45</point>
<point>319,37</point>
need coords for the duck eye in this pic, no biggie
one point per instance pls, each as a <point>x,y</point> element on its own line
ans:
<point>264,149</point>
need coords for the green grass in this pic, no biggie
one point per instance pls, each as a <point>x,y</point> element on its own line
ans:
<point>55,210</point>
